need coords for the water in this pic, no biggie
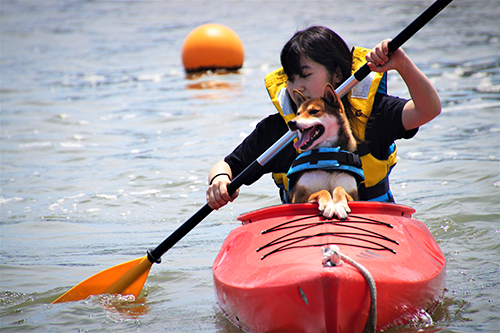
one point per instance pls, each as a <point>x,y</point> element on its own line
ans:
<point>106,145</point>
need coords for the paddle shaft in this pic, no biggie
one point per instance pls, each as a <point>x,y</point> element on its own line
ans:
<point>257,165</point>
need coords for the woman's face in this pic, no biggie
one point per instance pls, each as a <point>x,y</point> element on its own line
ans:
<point>312,79</point>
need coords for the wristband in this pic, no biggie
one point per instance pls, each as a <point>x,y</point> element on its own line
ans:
<point>217,175</point>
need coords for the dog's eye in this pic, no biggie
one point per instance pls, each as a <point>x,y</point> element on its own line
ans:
<point>313,111</point>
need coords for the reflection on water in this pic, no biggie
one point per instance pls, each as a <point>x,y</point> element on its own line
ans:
<point>204,81</point>
<point>209,85</point>
<point>210,73</point>
<point>106,144</point>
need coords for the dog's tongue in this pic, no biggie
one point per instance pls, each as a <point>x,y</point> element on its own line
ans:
<point>302,138</point>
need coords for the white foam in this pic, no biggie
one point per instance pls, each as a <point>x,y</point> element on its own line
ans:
<point>486,86</point>
<point>4,201</point>
<point>107,196</point>
<point>150,77</point>
<point>71,145</point>
<point>36,144</point>
<point>471,106</point>
<point>146,192</point>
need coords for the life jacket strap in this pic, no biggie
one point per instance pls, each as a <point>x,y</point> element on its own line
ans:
<point>376,191</point>
<point>343,157</point>
<point>326,159</point>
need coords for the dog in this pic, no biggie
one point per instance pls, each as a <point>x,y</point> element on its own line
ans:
<point>322,123</point>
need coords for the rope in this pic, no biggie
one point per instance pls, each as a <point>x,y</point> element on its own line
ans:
<point>330,258</point>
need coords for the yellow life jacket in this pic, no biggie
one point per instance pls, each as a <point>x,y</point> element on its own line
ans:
<point>362,96</point>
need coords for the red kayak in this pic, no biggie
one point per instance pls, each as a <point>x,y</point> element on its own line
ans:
<point>274,273</point>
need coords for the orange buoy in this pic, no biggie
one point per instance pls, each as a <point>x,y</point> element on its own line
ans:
<point>212,46</point>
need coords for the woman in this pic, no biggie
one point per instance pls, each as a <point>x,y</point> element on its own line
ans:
<point>310,59</point>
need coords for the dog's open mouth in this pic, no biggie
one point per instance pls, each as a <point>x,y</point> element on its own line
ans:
<point>307,136</point>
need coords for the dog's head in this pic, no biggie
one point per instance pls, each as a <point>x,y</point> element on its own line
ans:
<point>320,122</point>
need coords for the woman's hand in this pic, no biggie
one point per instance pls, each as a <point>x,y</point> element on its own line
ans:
<point>219,177</point>
<point>379,61</point>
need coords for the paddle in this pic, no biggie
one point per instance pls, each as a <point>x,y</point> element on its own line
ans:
<point>129,278</point>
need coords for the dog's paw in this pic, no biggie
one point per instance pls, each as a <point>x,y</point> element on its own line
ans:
<point>341,210</point>
<point>327,209</point>
<point>331,209</point>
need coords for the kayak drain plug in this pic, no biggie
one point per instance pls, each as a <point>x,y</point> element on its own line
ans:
<point>303,295</point>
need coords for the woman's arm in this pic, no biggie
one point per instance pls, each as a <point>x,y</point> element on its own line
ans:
<point>425,104</point>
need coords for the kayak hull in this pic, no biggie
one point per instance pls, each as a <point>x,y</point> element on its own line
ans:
<point>275,281</point>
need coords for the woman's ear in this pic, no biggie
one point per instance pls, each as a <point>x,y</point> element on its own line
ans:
<point>337,77</point>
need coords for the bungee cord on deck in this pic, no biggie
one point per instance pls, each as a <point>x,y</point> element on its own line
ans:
<point>289,241</point>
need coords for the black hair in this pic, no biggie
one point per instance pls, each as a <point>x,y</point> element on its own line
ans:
<point>319,44</point>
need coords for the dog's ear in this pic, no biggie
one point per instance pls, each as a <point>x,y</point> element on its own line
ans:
<point>330,96</point>
<point>298,97</point>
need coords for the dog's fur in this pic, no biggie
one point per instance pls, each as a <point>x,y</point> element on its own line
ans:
<point>321,122</point>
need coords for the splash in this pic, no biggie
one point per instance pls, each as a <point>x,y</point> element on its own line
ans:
<point>121,307</point>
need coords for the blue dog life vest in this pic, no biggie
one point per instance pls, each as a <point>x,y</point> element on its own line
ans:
<point>326,159</point>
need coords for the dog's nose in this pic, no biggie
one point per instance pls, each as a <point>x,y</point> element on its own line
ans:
<point>292,124</point>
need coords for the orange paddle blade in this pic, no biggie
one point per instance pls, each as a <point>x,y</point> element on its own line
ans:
<point>126,279</point>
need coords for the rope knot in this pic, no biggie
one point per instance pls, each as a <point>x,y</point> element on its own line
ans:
<point>331,256</point>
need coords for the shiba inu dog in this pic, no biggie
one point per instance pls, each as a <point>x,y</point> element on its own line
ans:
<point>322,123</point>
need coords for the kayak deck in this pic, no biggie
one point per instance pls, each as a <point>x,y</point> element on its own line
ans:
<point>269,274</point>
